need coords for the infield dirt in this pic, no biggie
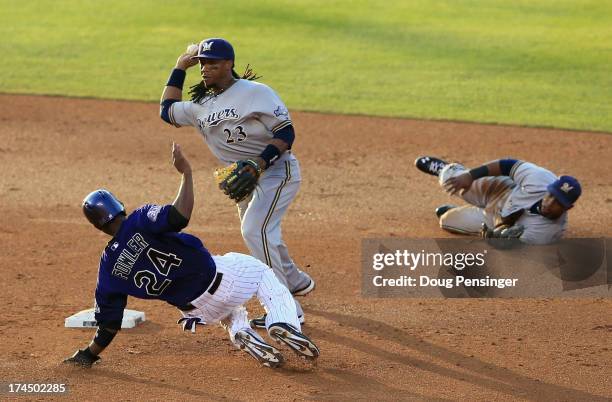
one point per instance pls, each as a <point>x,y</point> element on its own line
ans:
<point>358,181</point>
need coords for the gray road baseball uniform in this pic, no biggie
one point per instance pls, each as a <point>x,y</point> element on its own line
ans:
<point>236,124</point>
<point>500,196</point>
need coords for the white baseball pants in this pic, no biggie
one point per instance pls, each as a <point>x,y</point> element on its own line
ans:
<point>244,277</point>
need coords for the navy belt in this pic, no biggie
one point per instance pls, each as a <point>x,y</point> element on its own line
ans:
<point>211,290</point>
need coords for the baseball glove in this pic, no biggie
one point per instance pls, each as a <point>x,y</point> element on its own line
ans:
<point>503,236</point>
<point>239,179</point>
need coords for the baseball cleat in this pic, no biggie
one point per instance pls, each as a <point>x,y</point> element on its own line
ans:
<point>260,350</point>
<point>304,290</point>
<point>260,322</point>
<point>442,209</point>
<point>297,341</point>
<point>429,165</point>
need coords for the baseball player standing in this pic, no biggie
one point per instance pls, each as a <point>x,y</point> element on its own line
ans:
<point>149,258</point>
<point>507,198</point>
<point>244,122</point>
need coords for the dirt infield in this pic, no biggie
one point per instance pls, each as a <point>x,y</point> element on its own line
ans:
<point>358,181</point>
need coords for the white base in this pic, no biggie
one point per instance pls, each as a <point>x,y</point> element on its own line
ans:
<point>85,319</point>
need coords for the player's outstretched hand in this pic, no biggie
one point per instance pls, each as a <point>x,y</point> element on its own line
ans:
<point>179,161</point>
<point>82,358</point>
<point>459,184</point>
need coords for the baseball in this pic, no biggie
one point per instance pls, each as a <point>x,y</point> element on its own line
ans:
<point>192,49</point>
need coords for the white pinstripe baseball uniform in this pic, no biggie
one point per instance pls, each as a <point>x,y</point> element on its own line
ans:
<point>244,277</point>
<point>239,123</point>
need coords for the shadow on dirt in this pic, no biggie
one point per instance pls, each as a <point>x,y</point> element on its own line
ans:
<point>472,370</point>
<point>120,376</point>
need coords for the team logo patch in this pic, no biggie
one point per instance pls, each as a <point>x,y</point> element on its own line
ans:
<point>566,188</point>
<point>153,212</point>
<point>281,111</point>
<point>206,46</point>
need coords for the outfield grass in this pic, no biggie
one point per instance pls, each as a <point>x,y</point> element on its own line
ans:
<point>542,63</point>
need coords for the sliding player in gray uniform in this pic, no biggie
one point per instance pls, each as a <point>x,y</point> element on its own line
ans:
<point>239,120</point>
<point>150,258</point>
<point>511,198</point>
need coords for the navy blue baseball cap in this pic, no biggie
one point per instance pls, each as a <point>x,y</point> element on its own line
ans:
<point>215,48</point>
<point>566,190</point>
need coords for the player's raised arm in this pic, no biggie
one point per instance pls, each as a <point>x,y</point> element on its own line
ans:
<point>173,91</point>
<point>184,198</point>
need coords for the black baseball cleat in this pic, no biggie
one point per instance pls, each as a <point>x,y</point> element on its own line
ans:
<point>303,291</point>
<point>260,322</point>
<point>294,339</point>
<point>442,209</point>
<point>429,165</point>
<point>260,350</point>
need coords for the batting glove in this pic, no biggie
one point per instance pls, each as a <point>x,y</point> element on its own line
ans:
<point>83,358</point>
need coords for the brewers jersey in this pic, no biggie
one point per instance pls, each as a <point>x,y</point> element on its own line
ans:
<point>236,123</point>
<point>531,186</point>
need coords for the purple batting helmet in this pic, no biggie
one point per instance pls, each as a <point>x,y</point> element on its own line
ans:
<point>101,206</point>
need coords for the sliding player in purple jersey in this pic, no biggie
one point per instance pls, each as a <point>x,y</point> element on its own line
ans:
<point>150,258</point>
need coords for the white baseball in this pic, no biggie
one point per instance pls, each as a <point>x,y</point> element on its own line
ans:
<point>192,49</point>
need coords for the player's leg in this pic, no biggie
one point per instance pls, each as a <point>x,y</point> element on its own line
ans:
<point>241,278</point>
<point>239,283</point>
<point>282,322</point>
<point>261,222</point>
<point>247,339</point>
<point>466,219</point>
<point>486,196</point>
<point>277,301</point>
<point>305,283</point>
<point>261,219</point>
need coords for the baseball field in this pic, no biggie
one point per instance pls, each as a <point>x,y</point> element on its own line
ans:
<point>370,86</point>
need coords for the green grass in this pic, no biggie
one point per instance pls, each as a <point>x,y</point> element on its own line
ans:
<point>541,63</point>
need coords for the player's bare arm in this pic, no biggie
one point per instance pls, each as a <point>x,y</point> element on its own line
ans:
<point>184,198</point>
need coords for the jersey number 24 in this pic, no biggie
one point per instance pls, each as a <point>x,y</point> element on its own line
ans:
<point>163,263</point>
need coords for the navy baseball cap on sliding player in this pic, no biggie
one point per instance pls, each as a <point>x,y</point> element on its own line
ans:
<point>215,48</point>
<point>101,207</point>
<point>566,190</point>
